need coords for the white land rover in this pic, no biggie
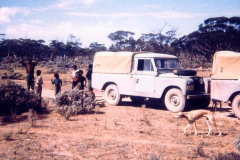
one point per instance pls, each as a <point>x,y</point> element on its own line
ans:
<point>141,75</point>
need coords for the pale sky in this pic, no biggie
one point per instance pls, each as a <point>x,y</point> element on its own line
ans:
<point>93,20</point>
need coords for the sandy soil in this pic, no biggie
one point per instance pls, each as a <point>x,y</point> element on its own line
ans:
<point>114,132</point>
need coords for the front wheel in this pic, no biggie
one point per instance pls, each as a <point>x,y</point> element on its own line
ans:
<point>236,106</point>
<point>112,95</point>
<point>175,100</point>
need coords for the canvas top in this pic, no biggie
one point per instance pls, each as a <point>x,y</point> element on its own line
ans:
<point>120,62</point>
<point>226,65</point>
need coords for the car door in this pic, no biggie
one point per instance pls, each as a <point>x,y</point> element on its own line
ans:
<point>144,79</point>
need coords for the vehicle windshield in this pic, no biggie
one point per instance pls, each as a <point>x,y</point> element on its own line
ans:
<point>167,64</point>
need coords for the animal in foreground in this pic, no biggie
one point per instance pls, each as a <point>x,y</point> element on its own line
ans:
<point>215,104</point>
<point>194,115</point>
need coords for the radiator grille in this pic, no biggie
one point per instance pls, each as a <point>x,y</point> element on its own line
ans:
<point>198,84</point>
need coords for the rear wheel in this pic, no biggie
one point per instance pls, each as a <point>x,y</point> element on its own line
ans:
<point>112,95</point>
<point>175,100</point>
<point>236,106</point>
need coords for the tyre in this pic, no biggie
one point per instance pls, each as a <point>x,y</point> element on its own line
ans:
<point>175,100</point>
<point>199,103</point>
<point>137,100</point>
<point>236,106</point>
<point>112,95</point>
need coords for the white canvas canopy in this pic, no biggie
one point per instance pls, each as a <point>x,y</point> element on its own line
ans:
<point>226,65</point>
<point>113,62</point>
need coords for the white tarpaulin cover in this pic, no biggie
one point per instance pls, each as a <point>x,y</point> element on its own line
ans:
<point>226,65</point>
<point>113,62</point>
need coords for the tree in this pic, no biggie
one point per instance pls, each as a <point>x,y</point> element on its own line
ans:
<point>2,36</point>
<point>8,47</point>
<point>96,47</point>
<point>93,48</point>
<point>123,40</point>
<point>215,34</point>
<point>56,48</point>
<point>157,42</point>
<point>73,47</point>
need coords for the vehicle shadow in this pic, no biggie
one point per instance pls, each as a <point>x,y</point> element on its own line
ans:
<point>231,115</point>
<point>151,104</point>
<point>159,105</point>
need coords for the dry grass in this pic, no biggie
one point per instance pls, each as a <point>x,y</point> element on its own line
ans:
<point>32,117</point>
<point>117,132</point>
<point>21,129</point>
<point>7,135</point>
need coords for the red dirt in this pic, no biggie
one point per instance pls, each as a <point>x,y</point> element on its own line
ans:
<point>115,132</point>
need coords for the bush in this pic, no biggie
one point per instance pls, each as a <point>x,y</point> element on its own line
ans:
<point>74,102</point>
<point>15,99</point>
<point>231,155</point>
<point>58,70</point>
<point>7,135</point>
<point>63,65</point>
<point>228,156</point>
<point>16,75</point>
<point>237,143</point>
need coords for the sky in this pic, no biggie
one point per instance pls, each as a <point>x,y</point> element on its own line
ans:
<point>93,20</point>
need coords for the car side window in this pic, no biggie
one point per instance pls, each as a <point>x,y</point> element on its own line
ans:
<point>145,65</point>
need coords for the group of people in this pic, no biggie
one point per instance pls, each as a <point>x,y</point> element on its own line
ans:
<point>78,78</point>
<point>36,83</point>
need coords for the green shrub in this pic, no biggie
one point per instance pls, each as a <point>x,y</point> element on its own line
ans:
<point>74,102</point>
<point>15,99</point>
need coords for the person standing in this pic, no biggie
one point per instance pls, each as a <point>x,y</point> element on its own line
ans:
<point>74,76</point>
<point>30,66</point>
<point>158,64</point>
<point>89,77</point>
<point>57,84</point>
<point>38,84</point>
<point>81,80</point>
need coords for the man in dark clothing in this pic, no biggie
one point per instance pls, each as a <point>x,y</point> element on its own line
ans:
<point>30,66</point>
<point>81,79</point>
<point>89,77</point>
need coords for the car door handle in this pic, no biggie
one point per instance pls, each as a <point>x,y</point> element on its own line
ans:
<point>137,80</point>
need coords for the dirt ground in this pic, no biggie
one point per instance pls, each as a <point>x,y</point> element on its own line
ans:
<point>114,132</point>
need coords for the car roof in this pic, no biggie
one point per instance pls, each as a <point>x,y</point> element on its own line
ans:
<point>154,55</point>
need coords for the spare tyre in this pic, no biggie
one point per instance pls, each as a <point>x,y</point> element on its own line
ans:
<point>183,72</point>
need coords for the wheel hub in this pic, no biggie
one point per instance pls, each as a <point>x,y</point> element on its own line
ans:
<point>175,101</point>
<point>112,94</point>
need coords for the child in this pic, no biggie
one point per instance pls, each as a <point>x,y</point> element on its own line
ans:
<point>81,80</point>
<point>74,76</point>
<point>58,83</point>
<point>38,84</point>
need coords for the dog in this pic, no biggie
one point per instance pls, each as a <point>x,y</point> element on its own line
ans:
<point>194,115</point>
<point>215,104</point>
